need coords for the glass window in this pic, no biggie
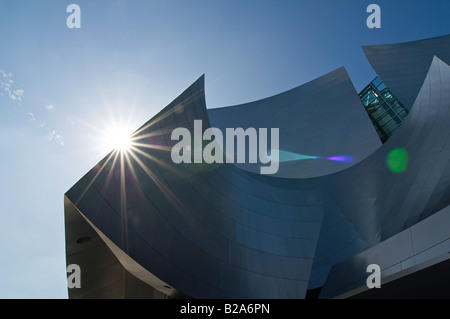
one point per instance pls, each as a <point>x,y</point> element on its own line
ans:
<point>370,110</point>
<point>375,103</point>
<point>369,98</point>
<point>397,108</point>
<point>365,91</point>
<point>398,120</point>
<point>403,114</point>
<point>378,114</point>
<point>390,126</point>
<point>380,135</point>
<point>376,82</point>
<point>365,100</point>
<point>381,87</point>
<point>386,137</point>
<point>388,96</point>
<point>384,109</point>
<point>376,125</point>
<point>385,106</point>
<point>384,119</point>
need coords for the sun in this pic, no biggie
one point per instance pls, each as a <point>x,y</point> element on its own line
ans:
<point>116,132</point>
<point>118,138</point>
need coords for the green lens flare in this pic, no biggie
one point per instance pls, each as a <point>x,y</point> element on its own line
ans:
<point>397,160</point>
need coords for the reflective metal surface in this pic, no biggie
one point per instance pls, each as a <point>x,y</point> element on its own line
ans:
<point>323,118</point>
<point>217,231</point>
<point>208,231</point>
<point>403,66</point>
<point>418,247</point>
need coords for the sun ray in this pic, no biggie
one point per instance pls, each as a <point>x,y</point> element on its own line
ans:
<point>123,202</point>
<point>165,190</point>
<point>169,167</point>
<point>96,175</point>
<point>164,113</point>
<point>152,146</point>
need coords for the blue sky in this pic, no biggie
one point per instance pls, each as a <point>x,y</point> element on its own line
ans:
<point>60,88</point>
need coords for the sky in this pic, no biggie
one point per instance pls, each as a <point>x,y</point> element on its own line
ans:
<point>62,90</point>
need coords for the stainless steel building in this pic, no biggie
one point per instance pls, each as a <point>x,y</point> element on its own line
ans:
<point>140,225</point>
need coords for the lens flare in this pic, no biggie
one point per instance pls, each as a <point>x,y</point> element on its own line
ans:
<point>397,160</point>
<point>341,158</point>
<point>285,156</point>
<point>118,138</point>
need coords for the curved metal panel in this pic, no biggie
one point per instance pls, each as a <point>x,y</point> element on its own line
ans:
<point>216,231</point>
<point>404,66</point>
<point>372,202</point>
<point>321,119</point>
<point>207,231</point>
<point>415,248</point>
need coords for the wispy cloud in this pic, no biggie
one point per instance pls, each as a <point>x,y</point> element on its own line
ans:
<point>7,87</point>
<point>32,117</point>
<point>54,136</point>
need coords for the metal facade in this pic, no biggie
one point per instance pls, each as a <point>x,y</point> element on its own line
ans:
<point>217,231</point>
